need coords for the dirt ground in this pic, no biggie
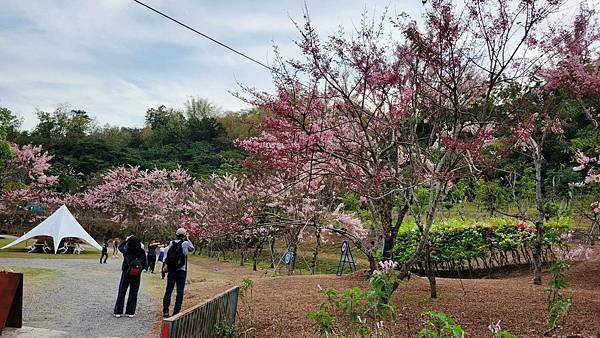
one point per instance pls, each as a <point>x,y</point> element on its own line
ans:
<point>280,304</point>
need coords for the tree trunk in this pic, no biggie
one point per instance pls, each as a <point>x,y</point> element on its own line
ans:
<point>539,223</point>
<point>294,248</point>
<point>272,251</point>
<point>390,237</point>
<point>430,272</point>
<point>257,252</point>
<point>594,230</point>
<point>385,214</point>
<point>372,262</point>
<point>242,256</point>
<point>313,264</point>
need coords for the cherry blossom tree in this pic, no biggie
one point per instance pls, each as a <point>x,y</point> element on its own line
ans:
<point>224,208</point>
<point>134,197</point>
<point>341,127</point>
<point>24,178</point>
<point>570,78</point>
<point>386,119</point>
<point>250,210</point>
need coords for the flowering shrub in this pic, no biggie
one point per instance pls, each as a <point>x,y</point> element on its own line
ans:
<point>384,280</point>
<point>464,246</point>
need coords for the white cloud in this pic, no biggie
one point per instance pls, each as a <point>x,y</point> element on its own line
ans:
<point>115,59</point>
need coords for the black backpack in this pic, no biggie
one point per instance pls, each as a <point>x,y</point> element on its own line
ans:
<point>175,257</point>
<point>135,268</point>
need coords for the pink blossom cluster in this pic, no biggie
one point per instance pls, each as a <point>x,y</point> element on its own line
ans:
<point>575,65</point>
<point>580,252</point>
<point>225,205</point>
<point>130,194</point>
<point>589,165</point>
<point>25,176</point>
<point>495,328</point>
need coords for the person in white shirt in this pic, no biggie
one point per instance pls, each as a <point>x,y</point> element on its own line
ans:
<point>175,262</point>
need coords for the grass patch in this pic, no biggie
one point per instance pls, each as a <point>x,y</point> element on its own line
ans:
<point>36,281</point>
<point>32,272</point>
<point>329,255</point>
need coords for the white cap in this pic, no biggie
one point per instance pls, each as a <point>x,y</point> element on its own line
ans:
<point>180,231</point>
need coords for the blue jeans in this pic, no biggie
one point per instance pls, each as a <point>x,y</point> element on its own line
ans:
<point>174,278</point>
<point>133,283</point>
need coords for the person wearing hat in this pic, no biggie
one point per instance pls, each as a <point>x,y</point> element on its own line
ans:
<point>175,263</point>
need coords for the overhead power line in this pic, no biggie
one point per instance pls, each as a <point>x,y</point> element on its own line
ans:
<point>204,35</point>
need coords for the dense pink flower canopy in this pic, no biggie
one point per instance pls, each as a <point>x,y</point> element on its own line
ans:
<point>130,193</point>
<point>574,61</point>
<point>25,176</point>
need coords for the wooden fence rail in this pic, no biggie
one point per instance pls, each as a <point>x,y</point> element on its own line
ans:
<point>201,320</point>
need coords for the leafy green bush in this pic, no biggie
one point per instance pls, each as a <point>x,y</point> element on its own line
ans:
<point>225,329</point>
<point>355,312</point>
<point>440,325</point>
<point>455,242</point>
<point>558,303</point>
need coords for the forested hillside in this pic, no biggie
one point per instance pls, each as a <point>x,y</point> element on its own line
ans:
<point>198,138</point>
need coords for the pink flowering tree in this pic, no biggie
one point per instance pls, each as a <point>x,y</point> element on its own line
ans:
<point>224,209</point>
<point>387,120</point>
<point>24,178</point>
<point>570,78</point>
<point>248,211</point>
<point>339,129</point>
<point>390,120</point>
<point>143,200</point>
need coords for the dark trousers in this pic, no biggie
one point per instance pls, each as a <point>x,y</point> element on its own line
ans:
<point>105,256</point>
<point>151,263</point>
<point>174,278</point>
<point>133,283</point>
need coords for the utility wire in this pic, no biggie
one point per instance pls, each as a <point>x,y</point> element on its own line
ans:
<point>204,35</point>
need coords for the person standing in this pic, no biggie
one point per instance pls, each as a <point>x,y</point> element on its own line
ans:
<point>152,255</point>
<point>175,261</point>
<point>115,243</point>
<point>134,261</point>
<point>104,251</point>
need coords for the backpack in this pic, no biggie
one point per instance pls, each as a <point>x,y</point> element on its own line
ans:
<point>175,257</point>
<point>135,268</point>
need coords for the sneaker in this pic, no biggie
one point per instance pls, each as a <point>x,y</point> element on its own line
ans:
<point>130,316</point>
<point>165,315</point>
<point>117,315</point>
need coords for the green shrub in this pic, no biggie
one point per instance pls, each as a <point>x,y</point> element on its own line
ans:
<point>440,325</point>
<point>457,241</point>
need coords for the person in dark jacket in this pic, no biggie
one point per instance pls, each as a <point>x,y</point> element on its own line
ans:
<point>152,255</point>
<point>104,252</point>
<point>134,261</point>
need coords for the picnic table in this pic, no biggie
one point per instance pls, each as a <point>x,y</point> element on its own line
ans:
<point>39,247</point>
<point>71,248</point>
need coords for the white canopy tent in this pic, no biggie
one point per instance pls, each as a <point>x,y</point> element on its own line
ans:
<point>61,224</point>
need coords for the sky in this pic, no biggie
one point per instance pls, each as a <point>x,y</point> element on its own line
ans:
<point>115,58</point>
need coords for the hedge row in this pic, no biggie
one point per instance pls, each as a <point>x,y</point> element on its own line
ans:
<point>459,245</point>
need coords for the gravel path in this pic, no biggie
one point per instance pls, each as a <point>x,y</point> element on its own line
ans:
<point>81,300</point>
